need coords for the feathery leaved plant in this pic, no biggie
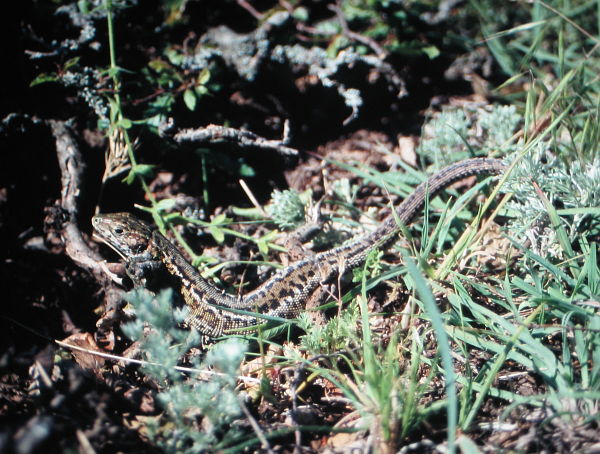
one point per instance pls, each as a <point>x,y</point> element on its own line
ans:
<point>446,142</point>
<point>339,333</point>
<point>287,209</point>
<point>554,194</point>
<point>199,415</point>
<point>452,135</point>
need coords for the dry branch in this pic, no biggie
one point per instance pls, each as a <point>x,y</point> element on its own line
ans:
<point>243,139</point>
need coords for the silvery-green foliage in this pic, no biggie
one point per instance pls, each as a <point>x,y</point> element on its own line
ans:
<point>287,209</point>
<point>164,344</point>
<point>339,333</point>
<point>187,399</point>
<point>499,124</point>
<point>444,137</point>
<point>567,185</point>
<point>460,133</point>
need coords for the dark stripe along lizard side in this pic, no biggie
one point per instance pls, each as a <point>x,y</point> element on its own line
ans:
<point>285,294</point>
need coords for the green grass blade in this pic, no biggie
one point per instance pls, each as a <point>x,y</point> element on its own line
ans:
<point>437,323</point>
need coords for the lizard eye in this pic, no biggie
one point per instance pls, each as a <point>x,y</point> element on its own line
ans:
<point>118,230</point>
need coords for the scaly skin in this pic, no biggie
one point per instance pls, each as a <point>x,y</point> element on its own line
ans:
<point>285,294</point>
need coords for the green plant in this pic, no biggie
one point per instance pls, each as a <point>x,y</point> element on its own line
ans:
<point>446,142</point>
<point>557,307</point>
<point>455,134</point>
<point>287,209</point>
<point>337,334</point>
<point>384,383</point>
<point>189,401</point>
<point>544,181</point>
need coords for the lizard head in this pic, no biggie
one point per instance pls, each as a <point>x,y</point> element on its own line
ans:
<point>129,236</point>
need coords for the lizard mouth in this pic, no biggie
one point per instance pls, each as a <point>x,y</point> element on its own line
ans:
<point>97,237</point>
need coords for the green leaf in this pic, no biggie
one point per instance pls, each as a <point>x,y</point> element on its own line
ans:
<point>217,233</point>
<point>83,6</point>
<point>270,236</point>
<point>130,178</point>
<point>220,219</point>
<point>43,78</point>
<point>201,90</point>
<point>71,62</point>
<point>158,65</point>
<point>112,72</point>
<point>246,171</point>
<point>204,76</point>
<point>102,124</point>
<point>437,321</point>
<point>114,109</point>
<point>174,57</point>
<point>124,123</point>
<point>300,14</point>
<point>158,220</point>
<point>189,98</point>
<point>431,52</point>
<point>165,204</point>
<point>263,247</point>
<point>143,170</point>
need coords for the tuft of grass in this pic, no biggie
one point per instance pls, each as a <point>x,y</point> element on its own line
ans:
<point>523,318</point>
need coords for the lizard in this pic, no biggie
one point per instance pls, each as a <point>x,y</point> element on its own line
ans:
<point>214,312</point>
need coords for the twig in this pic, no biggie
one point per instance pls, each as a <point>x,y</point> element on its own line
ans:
<point>243,139</point>
<point>71,169</point>
<point>380,51</point>
<point>248,7</point>
<point>250,195</point>
<point>257,430</point>
<point>84,443</point>
<point>206,373</point>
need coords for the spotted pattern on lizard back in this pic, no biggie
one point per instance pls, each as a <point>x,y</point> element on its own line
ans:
<point>214,312</point>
